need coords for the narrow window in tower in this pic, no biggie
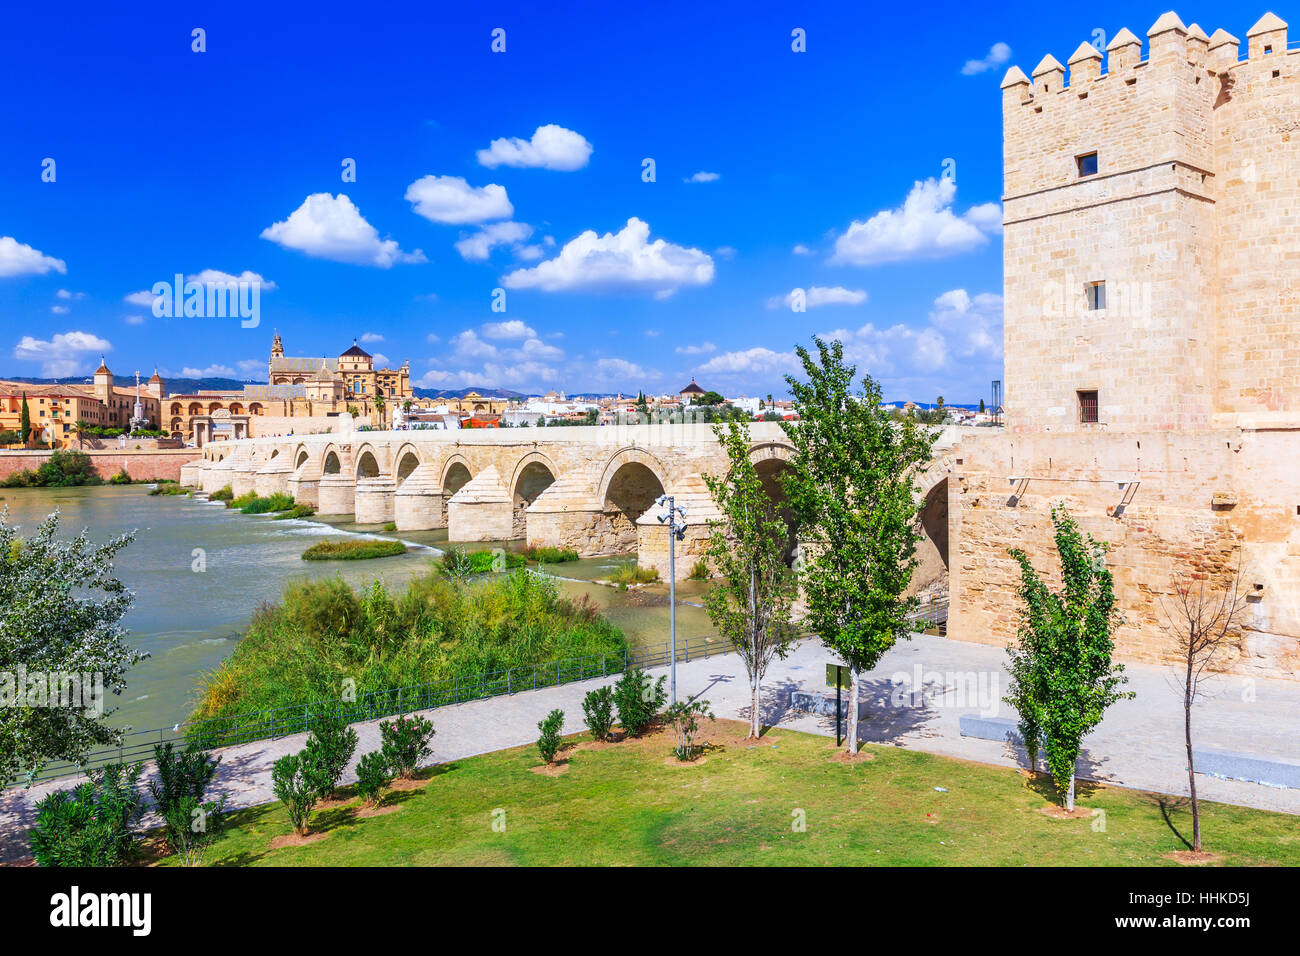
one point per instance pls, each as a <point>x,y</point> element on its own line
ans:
<point>1088,407</point>
<point>1087,164</point>
<point>1096,292</point>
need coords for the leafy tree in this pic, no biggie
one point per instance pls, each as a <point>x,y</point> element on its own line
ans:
<point>638,700</point>
<point>981,406</point>
<point>1204,622</point>
<point>25,421</point>
<point>380,405</point>
<point>331,744</point>
<point>61,611</point>
<point>296,783</point>
<point>709,398</point>
<point>685,718</point>
<point>1062,664</point>
<point>91,824</point>
<point>548,744</point>
<point>193,826</point>
<point>598,708</point>
<point>81,428</point>
<point>852,489</point>
<point>750,605</point>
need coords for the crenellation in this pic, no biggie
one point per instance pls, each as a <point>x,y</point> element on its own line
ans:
<point>1267,37</point>
<point>1123,52</point>
<point>1085,66</point>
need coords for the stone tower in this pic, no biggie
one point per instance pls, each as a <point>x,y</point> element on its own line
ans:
<point>1147,209</point>
<point>155,387</point>
<point>103,382</point>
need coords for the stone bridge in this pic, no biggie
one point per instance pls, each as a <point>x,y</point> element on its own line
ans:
<point>592,489</point>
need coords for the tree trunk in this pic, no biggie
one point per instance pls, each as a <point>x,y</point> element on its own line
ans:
<point>853,712</point>
<point>756,648</point>
<point>755,725</point>
<point>1191,768</point>
<point>1069,794</point>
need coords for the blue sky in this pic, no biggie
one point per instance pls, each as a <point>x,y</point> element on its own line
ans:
<point>865,171</point>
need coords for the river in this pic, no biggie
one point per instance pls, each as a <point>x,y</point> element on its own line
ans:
<point>199,570</point>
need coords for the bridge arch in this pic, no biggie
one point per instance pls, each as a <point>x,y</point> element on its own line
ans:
<point>456,473</point>
<point>331,461</point>
<point>407,459</point>
<point>632,481</point>
<point>367,463</point>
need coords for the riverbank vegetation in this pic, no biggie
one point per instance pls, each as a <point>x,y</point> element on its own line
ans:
<point>63,469</point>
<point>353,550</point>
<point>545,555</point>
<point>634,574</point>
<point>322,634</point>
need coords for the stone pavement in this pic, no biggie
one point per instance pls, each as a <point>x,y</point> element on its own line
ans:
<point>1139,744</point>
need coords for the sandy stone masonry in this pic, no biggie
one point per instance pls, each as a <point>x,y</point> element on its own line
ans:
<point>1192,222</point>
<point>592,489</point>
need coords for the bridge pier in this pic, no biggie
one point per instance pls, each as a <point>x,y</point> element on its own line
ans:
<point>337,495</point>
<point>418,504</point>
<point>192,473</point>
<point>374,499</point>
<point>216,476</point>
<point>273,477</point>
<point>481,510</point>
<point>652,537</point>
<point>304,484</point>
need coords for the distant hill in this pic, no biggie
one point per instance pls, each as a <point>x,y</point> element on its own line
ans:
<point>486,392</point>
<point>178,386</point>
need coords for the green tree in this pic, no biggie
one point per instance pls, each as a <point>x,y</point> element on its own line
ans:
<point>852,489</point>
<point>1061,666</point>
<point>25,421</point>
<point>61,611</point>
<point>709,398</point>
<point>81,428</point>
<point>380,405</point>
<point>981,406</point>
<point>750,605</point>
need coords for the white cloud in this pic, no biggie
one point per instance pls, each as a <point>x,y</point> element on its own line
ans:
<point>212,371</point>
<point>65,294</point>
<point>133,319</point>
<point>432,338</point>
<point>817,295</point>
<point>998,54</point>
<point>371,337</point>
<point>19,259</point>
<point>63,354</point>
<point>479,245</point>
<point>330,227</point>
<point>755,361</point>
<point>625,259</point>
<point>467,344</point>
<point>217,277</point>
<point>453,201</point>
<point>510,329</point>
<point>703,177</point>
<point>621,370</point>
<point>801,250</point>
<point>552,147</point>
<point>924,227</point>
<point>380,360</point>
<point>704,348</point>
<point>59,309</point>
<point>725,252</point>
<point>143,297</point>
<point>972,325</point>
<point>251,368</point>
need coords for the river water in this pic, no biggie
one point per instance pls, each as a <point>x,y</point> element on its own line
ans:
<point>199,570</point>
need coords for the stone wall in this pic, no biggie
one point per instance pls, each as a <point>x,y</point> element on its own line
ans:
<point>163,463</point>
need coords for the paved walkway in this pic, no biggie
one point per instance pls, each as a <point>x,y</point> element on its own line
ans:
<point>1139,744</point>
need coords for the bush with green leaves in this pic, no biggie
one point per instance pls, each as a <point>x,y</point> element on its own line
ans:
<point>685,718</point>
<point>222,494</point>
<point>330,746</point>
<point>296,782</point>
<point>406,743</point>
<point>373,775</point>
<point>91,824</point>
<point>193,825</point>
<point>638,700</point>
<point>182,779</point>
<point>548,744</point>
<point>598,708</point>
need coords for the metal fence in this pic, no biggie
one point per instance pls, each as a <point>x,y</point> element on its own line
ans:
<point>217,732</point>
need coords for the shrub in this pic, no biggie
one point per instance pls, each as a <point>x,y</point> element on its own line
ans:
<point>91,824</point>
<point>542,555</point>
<point>297,511</point>
<point>353,550</point>
<point>243,501</point>
<point>390,525</point>
<point>330,746</point>
<point>222,494</point>
<point>260,506</point>
<point>121,478</point>
<point>459,563</point>
<point>406,743</point>
<point>296,782</point>
<point>63,469</point>
<point>685,718</point>
<point>598,708</point>
<point>373,775</point>
<point>699,570</point>
<point>548,744</point>
<point>632,574</point>
<point>182,778</point>
<point>193,826</point>
<point>169,488</point>
<point>638,700</point>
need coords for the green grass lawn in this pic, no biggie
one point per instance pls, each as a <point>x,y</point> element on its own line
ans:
<point>625,805</point>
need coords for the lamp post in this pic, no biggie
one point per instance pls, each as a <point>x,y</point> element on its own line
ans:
<point>676,532</point>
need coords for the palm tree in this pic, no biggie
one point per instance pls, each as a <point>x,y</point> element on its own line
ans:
<point>379,407</point>
<point>81,428</point>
